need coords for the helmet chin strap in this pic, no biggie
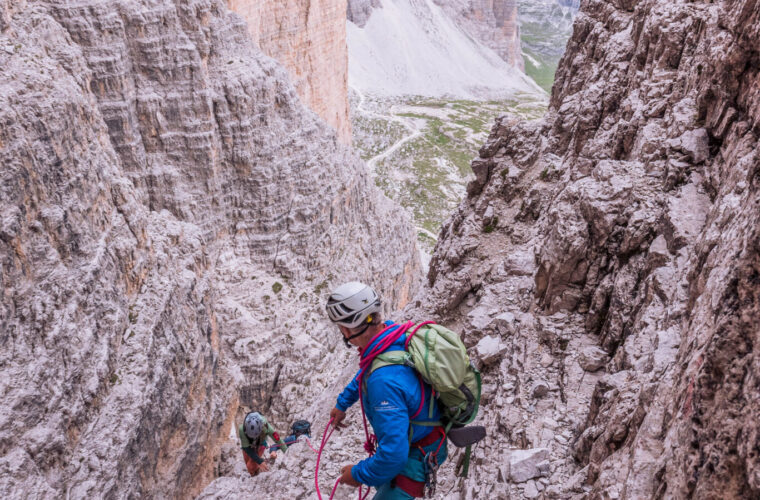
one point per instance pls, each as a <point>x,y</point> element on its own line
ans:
<point>346,339</point>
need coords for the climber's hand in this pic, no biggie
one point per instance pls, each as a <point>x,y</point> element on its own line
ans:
<point>263,467</point>
<point>337,417</point>
<point>347,478</point>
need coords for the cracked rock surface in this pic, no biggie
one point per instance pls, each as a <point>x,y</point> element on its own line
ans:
<point>171,217</point>
<point>627,250</point>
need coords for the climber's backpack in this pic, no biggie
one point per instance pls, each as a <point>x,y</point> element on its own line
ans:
<point>301,428</point>
<point>441,359</point>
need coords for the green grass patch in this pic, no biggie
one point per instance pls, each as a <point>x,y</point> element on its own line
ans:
<point>428,174</point>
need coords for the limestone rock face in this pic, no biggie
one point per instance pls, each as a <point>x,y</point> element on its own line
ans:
<point>492,22</point>
<point>171,220</point>
<point>309,38</point>
<point>627,223</point>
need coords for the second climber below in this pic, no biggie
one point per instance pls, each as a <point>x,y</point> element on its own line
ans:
<point>253,434</point>
<point>392,396</point>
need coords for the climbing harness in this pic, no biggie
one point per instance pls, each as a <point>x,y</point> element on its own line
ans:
<point>430,466</point>
<point>325,437</point>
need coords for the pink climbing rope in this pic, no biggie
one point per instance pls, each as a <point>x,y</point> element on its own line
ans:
<point>409,338</point>
<point>308,443</point>
<point>325,437</point>
<point>365,361</point>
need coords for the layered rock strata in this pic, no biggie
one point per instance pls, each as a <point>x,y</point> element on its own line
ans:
<point>169,211</point>
<point>309,38</point>
<point>610,252</point>
<point>603,270</point>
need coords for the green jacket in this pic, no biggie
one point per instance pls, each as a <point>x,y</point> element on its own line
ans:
<point>251,448</point>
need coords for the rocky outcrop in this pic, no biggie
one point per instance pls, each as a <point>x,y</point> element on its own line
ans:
<point>309,38</point>
<point>624,222</point>
<point>169,209</point>
<point>358,11</point>
<point>492,22</point>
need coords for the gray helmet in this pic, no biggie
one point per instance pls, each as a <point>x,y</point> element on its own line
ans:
<point>253,424</point>
<point>351,303</point>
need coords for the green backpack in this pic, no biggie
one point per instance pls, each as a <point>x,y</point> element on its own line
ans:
<point>440,357</point>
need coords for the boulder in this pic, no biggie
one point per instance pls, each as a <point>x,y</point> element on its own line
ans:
<point>504,323</point>
<point>696,145</point>
<point>592,358</point>
<point>524,464</point>
<point>489,349</point>
<point>531,491</point>
<point>480,317</point>
<point>540,389</point>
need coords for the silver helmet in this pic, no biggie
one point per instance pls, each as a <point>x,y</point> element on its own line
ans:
<point>351,303</point>
<point>253,425</point>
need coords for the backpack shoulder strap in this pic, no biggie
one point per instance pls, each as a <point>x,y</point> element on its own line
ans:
<point>391,358</point>
<point>386,359</point>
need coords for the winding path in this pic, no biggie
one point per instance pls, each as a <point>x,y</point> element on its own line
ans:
<point>406,123</point>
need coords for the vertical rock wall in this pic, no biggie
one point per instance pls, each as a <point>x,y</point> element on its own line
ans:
<point>309,38</point>
<point>160,181</point>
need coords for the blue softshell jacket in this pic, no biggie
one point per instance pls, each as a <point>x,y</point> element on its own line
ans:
<point>392,397</point>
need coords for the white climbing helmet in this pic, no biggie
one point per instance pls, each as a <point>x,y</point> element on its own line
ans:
<point>351,303</point>
<point>253,424</point>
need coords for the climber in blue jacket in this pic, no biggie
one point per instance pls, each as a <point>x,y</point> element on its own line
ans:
<point>392,396</point>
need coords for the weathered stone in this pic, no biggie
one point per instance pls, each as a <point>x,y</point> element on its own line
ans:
<point>359,11</point>
<point>530,491</point>
<point>489,349</point>
<point>523,464</point>
<point>545,468</point>
<point>685,217</point>
<point>658,252</point>
<point>159,177</point>
<point>504,323</point>
<point>695,143</point>
<point>546,360</point>
<point>539,389</point>
<point>651,153</point>
<point>592,358</point>
<point>494,24</point>
<point>488,215</point>
<point>480,317</point>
